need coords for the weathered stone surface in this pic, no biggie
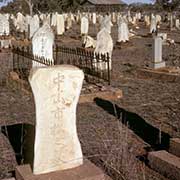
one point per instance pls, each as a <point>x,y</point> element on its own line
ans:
<point>56,91</point>
<point>165,163</point>
<point>175,146</point>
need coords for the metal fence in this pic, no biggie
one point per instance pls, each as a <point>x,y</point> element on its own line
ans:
<point>96,67</point>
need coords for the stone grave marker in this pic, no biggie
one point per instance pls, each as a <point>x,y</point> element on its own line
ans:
<point>104,45</point>
<point>84,25</point>
<point>42,44</point>
<point>157,53</point>
<point>56,92</point>
<point>60,24</point>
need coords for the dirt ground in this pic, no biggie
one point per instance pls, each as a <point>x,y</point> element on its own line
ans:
<point>109,143</point>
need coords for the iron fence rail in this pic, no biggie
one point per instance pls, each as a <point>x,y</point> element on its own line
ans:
<point>96,66</point>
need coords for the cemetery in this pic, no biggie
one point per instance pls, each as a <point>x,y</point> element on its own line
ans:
<point>90,90</point>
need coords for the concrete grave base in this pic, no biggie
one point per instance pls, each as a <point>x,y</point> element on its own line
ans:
<point>165,163</point>
<point>87,171</point>
<point>111,94</point>
<point>158,65</point>
<point>163,74</point>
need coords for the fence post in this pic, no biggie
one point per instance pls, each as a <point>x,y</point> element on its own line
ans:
<point>109,75</point>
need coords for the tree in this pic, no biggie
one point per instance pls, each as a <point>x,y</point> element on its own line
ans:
<point>30,4</point>
<point>168,5</point>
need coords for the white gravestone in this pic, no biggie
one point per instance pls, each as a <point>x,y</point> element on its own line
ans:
<point>69,22</point>
<point>56,92</point>
<point>94,18</point>
<point>4,25</point>
<point>153,26</point>
<point>177,24</point>
<point>106,23</point>
<point>20,22</point>
<point>104,45</point>
<point>60,24</point>
<point>123,31</point>
<point>54,19</point>
<point>34,25</point>
<point>42,43</point>
<point>157,53</point>
<point>84,25</point>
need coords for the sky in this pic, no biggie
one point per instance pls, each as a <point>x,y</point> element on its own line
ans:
<point>132,1</point>
<point>126,1</point>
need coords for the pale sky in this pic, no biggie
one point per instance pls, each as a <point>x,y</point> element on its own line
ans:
<point>126,1</point>
<point>132,1</point>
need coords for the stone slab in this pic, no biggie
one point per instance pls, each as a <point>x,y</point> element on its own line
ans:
<point>87,171</point>
<point>112,94</point>
<point>165,163</point>
<point>175,146</point>
<point>160,75</point>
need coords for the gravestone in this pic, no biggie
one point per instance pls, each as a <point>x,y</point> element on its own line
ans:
<point>69,21</point>
<point>56,91</point>
<point>60,24</point>
<point>94,18</point>
<point>84,25</point>
<point>104,45</point>
<point>54,19</point>
<point>177,24</point>
<point>20,22</point>
<point>157,53</point>
<point>123,31</point>
<point>106,23</point>
<point>4,25</point>
<point>34,25</point>
<point>153,26</point>
<point>42,44</point>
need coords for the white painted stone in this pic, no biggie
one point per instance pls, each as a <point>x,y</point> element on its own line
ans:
<point>153,25</point>
<point>56,92</point>
<point>104,45</point>
<point>106,23</point>
<point>123,30</point>
<point>34,25</point>
<point>69,21</point>
<point>42,44</point>
<point>88,42</point>
<point>54,19</point>
<point>20,22</point>
<point>94,18</point>
<point>157,53</point>
<point>4,25</point>
<point>60,24</point>
<point>177,24</point>
<point>84,25</point>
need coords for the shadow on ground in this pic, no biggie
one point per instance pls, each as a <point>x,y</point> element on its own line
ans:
<point>150,134</point>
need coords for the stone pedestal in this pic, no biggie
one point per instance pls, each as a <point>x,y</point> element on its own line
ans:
<point>157,54</point>
<point>157,65</point>
<point>87,171</point>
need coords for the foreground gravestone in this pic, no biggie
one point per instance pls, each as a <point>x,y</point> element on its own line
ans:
<point>157,53</point>
<point>42,43</point>
<point>56,91</point>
